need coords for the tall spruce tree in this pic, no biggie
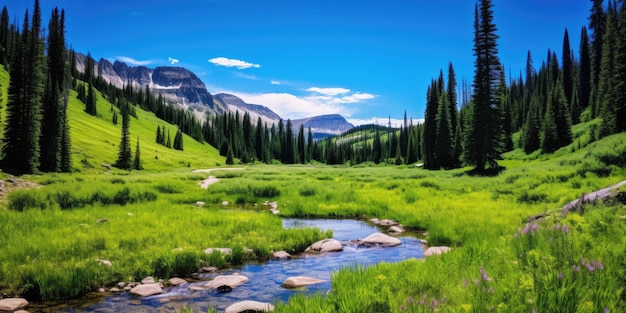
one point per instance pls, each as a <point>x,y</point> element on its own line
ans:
<point>606,91</point>
<point>137,160</point>
<point>549,135</point>
<point>444,148</point>
<point>452,97</point>
<point>532,127</point>
<point>619,79</point>
<point>567,73</point>
<point>584,73</point>
<point>288,151</point>
<point>430,127</point>
<point>21,148</point>
<point>484,142</point>
<point>124,156</point>
<point>55,100</point>
<point>301,145</point>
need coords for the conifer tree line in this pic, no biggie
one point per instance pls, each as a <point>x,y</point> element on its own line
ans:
<point>540,104</point>
<point>37,136</point>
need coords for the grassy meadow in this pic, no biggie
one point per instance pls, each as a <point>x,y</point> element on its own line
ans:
<point>51,239</point>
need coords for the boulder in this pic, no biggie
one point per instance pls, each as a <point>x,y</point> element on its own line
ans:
<point>249,306</point>
<point>395,229</point>
<point>437,250</point>
<point>281,255</point>
<point>208,269</point>
<point>200,203</point>
<point>387,222</point>
<point>12,304</point>
<point>148,280</point>
<point>176,281</point>
<point>424,241</point>
<point>326,245</point>
<point>226,280</point>
<point>21,311</point>
<point>115,289</point>
<point>102,220</point>
<point>225,251</point>
<point>299,281</point>
<point>381,240</point>
<point>224,203</point>
<point>147,290</point>
<point>105,262</point>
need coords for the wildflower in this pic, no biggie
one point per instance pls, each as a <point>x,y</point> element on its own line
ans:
<point>464,283</point>
<point>410,300</point>
<point>433,303</point>
<point>560,275</point>
<point>476,282</point>
<point>590,267</point>
<point>534,311</point>
<point>565,228</point>
<point>483,274</point>
<point>491,290</point>
<point>597,264</point>
<point>575,268</point>
<point>492,308</point>
<point>403,308</point>
<point>606,310</point>
<point>515,235</point>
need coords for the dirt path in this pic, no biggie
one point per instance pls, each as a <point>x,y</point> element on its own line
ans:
<point>212,179</point>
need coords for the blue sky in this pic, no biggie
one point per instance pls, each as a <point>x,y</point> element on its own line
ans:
<point>364,59</point>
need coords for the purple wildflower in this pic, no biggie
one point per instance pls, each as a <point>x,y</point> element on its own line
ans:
<point>464,283</point>
<point>410,300</point>
<point>565,228</point>
<point>483,274</point>
<point>476,282</point>
<point>590,267</point>
<point>575,268</point>
<point>607,310</point>
<point>534,311</point>
<point>491,290</point>
<point>492,308</point>
<point>560,275</point>
<point>433,303</point>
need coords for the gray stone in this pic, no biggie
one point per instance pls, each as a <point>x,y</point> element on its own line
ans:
<point>281,255</point>
<point>196,288</point>
<point>424,241</point>
<point>326,245</point>
<point>225,251</point>
<point>148,280</point>
<point>437,250</point>
<point>176,281</point>
<point>102,220</point>
<point>105,262</point>
<point>396,229</point>
<point>147,290</point>
<point>12,304</point>
<point>224,203</point>
<point>299,281</point>
<point>200,203</point>
<point>127,288</point>
<point>249,306</point>
<point>208,269</point>
<point>115,289</point>
<point>232,281</point>
<point>121,284</point>
<point>381,239</point>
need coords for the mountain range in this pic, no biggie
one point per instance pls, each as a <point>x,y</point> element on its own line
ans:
<point>183,88</point>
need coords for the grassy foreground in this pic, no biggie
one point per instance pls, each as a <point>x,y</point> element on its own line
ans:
<point>52,243</point>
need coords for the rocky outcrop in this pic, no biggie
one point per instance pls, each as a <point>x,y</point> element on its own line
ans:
<point>13,304</point>
<point>249,306</point>
<point>232,281</point>
<point>396,229</point>
<point>326,245</point>
<point>437,250</point>
<point>378,239</point>
<point>300,281</point>
<point>176,281</point>
<point>281,255</point>
<point>145,290</point>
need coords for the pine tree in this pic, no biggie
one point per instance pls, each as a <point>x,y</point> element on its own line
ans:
<point>230,156</point>
<point>178,140</point>
<point>54,102</point>
<point>444,147</point>
<point>137,160</point>
<point>288,151</point>
<point>485,143</point>
<point>532,128</point>
<point>430,127</point>
<point>301,145</point>
<point>597,23</point>
<point>452,97</point>
<point>377,148</point>
<point>309,150</point>
<point>21,148</point>
<point>567,74</point>
<point>549,136</point>
<point>584,74</point>
<point>5,34</point>
<point>606,91</point>
<point>259,145</point>
<point>619,79</point>
<point>562,116</point>
<point>124,157</point>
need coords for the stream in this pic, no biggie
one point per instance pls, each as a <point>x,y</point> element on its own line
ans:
<point>265,278</point>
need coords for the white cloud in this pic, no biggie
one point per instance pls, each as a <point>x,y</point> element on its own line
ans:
<point>172,60</point>
<point>222,61</point>
<point>131,61</point>
<point>329,91</point>
<point>382,121</point>
<point>273,82</point>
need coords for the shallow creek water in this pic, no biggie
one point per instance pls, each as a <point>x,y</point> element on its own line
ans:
<point>265,278</point>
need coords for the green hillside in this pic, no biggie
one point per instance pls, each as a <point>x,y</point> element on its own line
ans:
<point>95,140</point>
